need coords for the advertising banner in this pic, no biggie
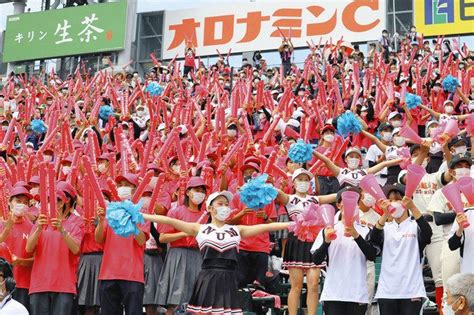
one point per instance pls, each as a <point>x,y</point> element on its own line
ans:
<point>65,32</point>
<point>261,26</point>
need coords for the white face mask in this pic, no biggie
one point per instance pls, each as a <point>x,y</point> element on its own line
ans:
<point>399,141</point>
<point>146,202</point>
<point>124,192</point>
<point>34,191</point>
<point>66,170</point>
<point>19,209</point>
<point>102,168</point>
<point>460,150</point>
<point>368,200</point>
<point>396,123</point>
<point>448,309</point>
<point>232,133</point>
<point>175,168</point>
<point>353,163</point>
<point>47,158</point>
<point>153,181</point>
<point>328,138</point>
<point>462,172</point>
<point>198,198</point>
<point>448,109</point>
<point>399,209</point>
<point>301,187</point>
<point>387,136</point>
<point>222,213</point>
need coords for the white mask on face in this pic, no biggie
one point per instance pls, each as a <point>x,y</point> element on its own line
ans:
<point>368,200</point>
<point>102,168</point>
<point>353,163</point>
<point>329,138</point>
<point>396,123</point>
<point>34,191</point>
<point>387,136</point>
<point>448,109</point>
<point>198,198</point>
<point>153,181</point>
<point>232,133</point>
<point>399,141</point>
<point>146,202</point>
<point>460,150</point>
<point>301,187</point>
<point>19,209</point>
<point>222,213</point>
<point>462,172</point>
<point>66,170</point>
<point>175,168</point>
<point>124,192</point>
<point>399,209</point>
<point>47,158</point>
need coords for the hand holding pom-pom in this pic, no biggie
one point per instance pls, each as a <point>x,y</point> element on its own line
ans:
<point>38,126</point>
<point>256,193</point>
<point>123,217</point>
<point>412,100</point>
<point>348,124</point>
<point>154,89</point>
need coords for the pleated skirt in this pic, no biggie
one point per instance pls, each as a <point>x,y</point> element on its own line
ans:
<point>215,292</point>
<point>153,266</point>
<point>87,279</point>
<point>297,254</point>
<point>178,275</point>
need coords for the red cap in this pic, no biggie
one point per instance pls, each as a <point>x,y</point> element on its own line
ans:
<point>250,165</point>
<point>66,160</point>
<point>196,182</point>
<point>131,178</point>
<point>328,127</point>
<point>22,183</point>
<point>67,188</point>
<point>20,190</point>
<point>61,195</point>
<point>34,180</point>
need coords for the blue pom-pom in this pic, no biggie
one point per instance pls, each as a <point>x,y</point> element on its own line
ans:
<point>450,84</point>
<point>256,193</point>
<point>154,89</point>
<point>123,217</point>
<point>347,124</point>
<point>105,112</point>
<point>300,152</point>
<point>412,100</point>
<point>38,126</point>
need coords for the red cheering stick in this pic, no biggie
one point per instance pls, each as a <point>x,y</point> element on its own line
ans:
<point>21,135</point>
<point>271,128</point>
<point>247,127</point>
<point>8,135</point>
<point>203,147</point>
<point>161,156</point>
<point>3,201</point>
<point>194,139</point>
<point>43,188</point>
<point>48,140</point>
<point>52,190</point>
<point>93,181</point>
<point>270,163</point>
<point>154,60</point>
<point>123,157</point>
<point>148,149</point>
<point>29,171</point>
<point>21,170</point>
<point>113,189</point>
<point>179,150</point>
<point>145,181</point>
<point>156,192</point>
<point>237,145</point>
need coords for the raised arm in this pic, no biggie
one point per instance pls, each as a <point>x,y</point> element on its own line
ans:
<point>327,198</point>
<point>282,198</point>
<point>377,168</point>
<point>186,227</point>
<point>375,140</point>
<point>432,112</point>
<point>329,164</point>
<point>252,230</point>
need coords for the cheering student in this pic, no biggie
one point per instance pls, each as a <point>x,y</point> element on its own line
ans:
<point>463,238</point>
<point>215,290</point>
<point>401,240</point>
<point>353,173</point>
<point>8,305</point>
<point>121,283</point>
<point>13,231</point>
<point>183,261</point>
<point>297,257</point>
<point>345,287</point>
<point>56,247</point>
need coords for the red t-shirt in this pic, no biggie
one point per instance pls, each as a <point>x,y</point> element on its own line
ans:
<point>257,243</point>
<point>184,214</point>
<point>189,60</point>
<point>16,243</point>
<point>323,170</point>
<point>89,245</point>
<point>54,268</point>
<point>123,256</point>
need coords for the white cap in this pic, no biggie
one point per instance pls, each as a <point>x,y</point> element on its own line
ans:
<point>301,171</point>
<point>470,106</point>
<point>353,150</point>
<point>431,122</point>
<point>395,131</point>
<point>162,126</point>
<point>393,114</point>
<point>400,175</point>
<point>182,129</point>
<point>364,108</point>
<point>396,94</point>
<point>293,122</point>
<point>216,194</point>
<point>448,102</point>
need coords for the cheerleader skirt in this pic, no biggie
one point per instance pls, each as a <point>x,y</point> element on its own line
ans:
<point>178,275</point>
<point>87,279</point>
<point>153,266</point>
<point>297,254</point>
<point>215,292</point>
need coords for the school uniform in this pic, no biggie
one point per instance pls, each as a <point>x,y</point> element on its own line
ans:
<point>345,287</point>
<point>348,177</point>
<point>215,290</point>
<point>401,288</point>
<point>53,275</point>
<point>153,263</point>
<point>297,252</point>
